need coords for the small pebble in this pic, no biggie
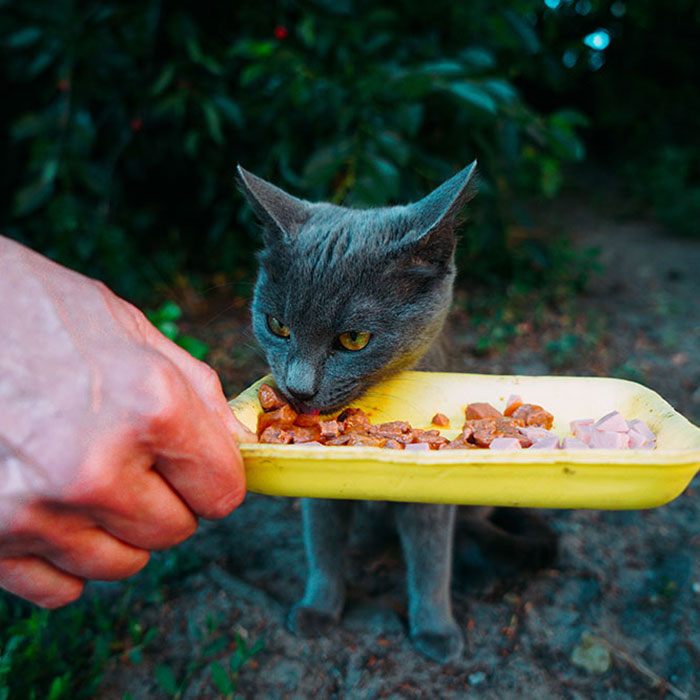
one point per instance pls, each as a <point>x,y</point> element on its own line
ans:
<point>476,678</point>
<point>592,654</point>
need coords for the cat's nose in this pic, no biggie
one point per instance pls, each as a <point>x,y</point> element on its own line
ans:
<point>301,380</point>
<point>301,394</point>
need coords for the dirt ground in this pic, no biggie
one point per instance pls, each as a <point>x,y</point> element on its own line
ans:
<point>616,616</point>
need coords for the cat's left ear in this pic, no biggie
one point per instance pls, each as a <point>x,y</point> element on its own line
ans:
<point>279,211</point>
<point>433,218</point>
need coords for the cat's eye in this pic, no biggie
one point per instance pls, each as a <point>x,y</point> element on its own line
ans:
<point>277,327</point>
<point>354,340</point>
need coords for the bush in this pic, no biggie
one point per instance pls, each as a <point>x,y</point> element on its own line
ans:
<point>127,120</point>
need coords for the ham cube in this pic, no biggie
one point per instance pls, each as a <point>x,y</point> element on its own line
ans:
<point>504,443</point>
<point>641,428</point>
<point>513,404</point>
<point>609,440</point>
<point>573,443</point>
<point>612,422</point>
<point>582,429</point>
<point>639,442</point>
<point>546,443</point>
<point>534,433</point>
<point>417,447</point>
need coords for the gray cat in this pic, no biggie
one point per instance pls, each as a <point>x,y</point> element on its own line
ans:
<point>344,298</point>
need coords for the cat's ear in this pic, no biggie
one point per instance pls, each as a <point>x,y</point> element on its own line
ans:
<point>282,213</point>
<point>432,220</point>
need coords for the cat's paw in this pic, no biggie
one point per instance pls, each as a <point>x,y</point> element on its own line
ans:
<point>442,646</point>
<point>309,622</point>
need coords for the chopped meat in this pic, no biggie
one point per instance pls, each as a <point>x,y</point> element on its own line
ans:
<point>301,434</point>
<point>573,443</point>
<point>354,419</point>
<point>306,420</point>
<point>441,420</point>
<point>505,443</point>
<point>530,414</point>
<point>365,440</point>
<point>276,435</point>
<point>417,447</point>
<point>329,428</point>
<point>269,398</point>
<point>392,444</point>
<point>285,415</point>
<point>459,443</point>
<point>513,404</point>
<point>479,411</point>
<point>546,443</point>
<point>613,422</point>
<point>391,430</point>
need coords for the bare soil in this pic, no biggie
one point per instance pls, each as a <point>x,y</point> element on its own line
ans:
<point>625,582</point>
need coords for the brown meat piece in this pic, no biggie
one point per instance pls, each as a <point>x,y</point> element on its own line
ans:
<point>302,434</point>
<point>306,420</point>
<point>276,435</point>
<point>480,411</point>
<point>512,408</point>
<point>285,415</point>
<point>430,437</point>
<point>353,419</point>
<point>329,428</point>
<point>485,431</point>
<point>358,439</point>
<point>440,419</point>
<point>392,444</point>
<point>459,443</point>
<point>339,440</point>
<point>391,430</point>
<point>533,415</point>
<point>269,398</point>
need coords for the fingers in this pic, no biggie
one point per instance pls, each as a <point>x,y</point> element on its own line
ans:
<point>194,451</point>
<point>39,581</point>
<point>205,382</point>
<point>122,493</point>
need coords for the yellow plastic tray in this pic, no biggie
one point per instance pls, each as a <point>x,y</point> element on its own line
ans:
<point>614,479</point>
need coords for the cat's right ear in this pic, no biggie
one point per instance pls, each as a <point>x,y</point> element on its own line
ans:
<point>281,213</point>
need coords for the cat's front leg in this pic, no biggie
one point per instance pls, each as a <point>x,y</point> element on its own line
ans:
<point>427,533</point>
<point>325,524</point>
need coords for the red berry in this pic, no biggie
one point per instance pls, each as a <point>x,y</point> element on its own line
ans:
<point>136,124</point>
<point>63,85</point>
<point>281,32</point>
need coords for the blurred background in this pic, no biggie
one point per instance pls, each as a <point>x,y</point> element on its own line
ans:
<point>121,123</point>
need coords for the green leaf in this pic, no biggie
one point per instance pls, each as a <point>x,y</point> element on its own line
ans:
<point>163,80</point>
<point>219,644</point>
<point>24,37</point>
<point>166,679</point>
<point>136,655</point>
<point>229,109</point>
<point>169,311</point>
<point>443,68</point>
<point>211,116</point>
<point>501,89</point>
<point>195,347</point>
<point>30,198</point>
<point>474,95</point>
<point>221,678</point>
<point>478,58</point>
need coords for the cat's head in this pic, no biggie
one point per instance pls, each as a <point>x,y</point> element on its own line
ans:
<point>345,297</point>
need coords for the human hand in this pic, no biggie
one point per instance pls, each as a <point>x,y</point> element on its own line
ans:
<point>112,438</point>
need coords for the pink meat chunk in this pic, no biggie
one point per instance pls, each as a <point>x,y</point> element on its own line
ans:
<point>504,443</point>
<point>417,447</point>
<point>573,443</point>
<point>609,440</point>
<point>546,443</point>
<point>641,428</point>
<point>582,429</point>
<point>614,422</point>
<point>535,433</point>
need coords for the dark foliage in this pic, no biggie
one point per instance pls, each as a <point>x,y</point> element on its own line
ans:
<point>126,121</point>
